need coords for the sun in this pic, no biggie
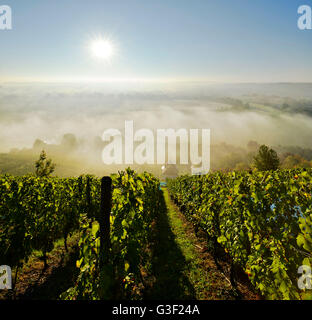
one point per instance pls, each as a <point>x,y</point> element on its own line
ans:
<point>102,49</point>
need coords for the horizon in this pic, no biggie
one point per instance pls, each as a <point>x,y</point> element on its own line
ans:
<point>130,80</point>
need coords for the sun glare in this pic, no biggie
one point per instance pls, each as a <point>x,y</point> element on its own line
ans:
<point>102,49</point>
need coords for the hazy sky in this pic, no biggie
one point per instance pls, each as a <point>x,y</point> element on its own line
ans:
<point>218,40</point>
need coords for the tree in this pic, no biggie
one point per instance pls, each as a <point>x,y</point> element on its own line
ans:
<point>266,159</point>
<point>69,141</point>
<point>44,166</point>
<point>295,161</point>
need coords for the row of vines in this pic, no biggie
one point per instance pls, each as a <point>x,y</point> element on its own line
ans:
<point>263,220</point>
<point>35,212</point>
<point>135,202</point>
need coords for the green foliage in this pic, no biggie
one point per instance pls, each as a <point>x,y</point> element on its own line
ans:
<point>262,219</point>
<point>266,159</point>
<point>44,167</point>
<point>135,201</point>
<point>37,211</point>
<point>34,212</point>
<point>304,240</point>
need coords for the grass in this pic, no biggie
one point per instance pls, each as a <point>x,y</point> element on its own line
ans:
<point>180,268</point>
<point>186,245</point>
<point>197,264</point>
<point>206,280</point>
<point>168,268</point>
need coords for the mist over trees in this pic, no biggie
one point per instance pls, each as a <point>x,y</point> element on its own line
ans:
<point>77,156</point>
<point>67,121</point>
<point>269,114</point>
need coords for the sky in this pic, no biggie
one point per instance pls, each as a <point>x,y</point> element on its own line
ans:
<point>210,40</point>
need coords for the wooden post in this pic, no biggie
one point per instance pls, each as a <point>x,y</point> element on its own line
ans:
<point>104,219</point>
<point>88,198</point>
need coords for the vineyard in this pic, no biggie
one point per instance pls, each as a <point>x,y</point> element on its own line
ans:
<point>35,212</point>
<point>261,220</point>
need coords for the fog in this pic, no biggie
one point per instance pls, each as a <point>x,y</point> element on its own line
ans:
<point>235,114</point>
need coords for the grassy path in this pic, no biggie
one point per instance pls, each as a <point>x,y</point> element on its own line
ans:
<point>182,267</point>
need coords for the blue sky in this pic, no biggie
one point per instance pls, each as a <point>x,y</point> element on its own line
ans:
<point>215,40</point>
